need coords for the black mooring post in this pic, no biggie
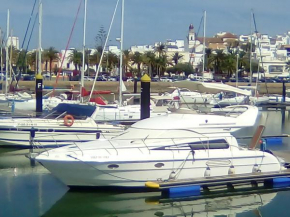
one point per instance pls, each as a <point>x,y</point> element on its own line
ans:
<point>283,92</point>
<point>145,96</point>
<point>135,85</point>
<point>31,143</point>
<point>38,93</point>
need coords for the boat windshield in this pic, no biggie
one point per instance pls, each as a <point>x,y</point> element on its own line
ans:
<point>76,110</point>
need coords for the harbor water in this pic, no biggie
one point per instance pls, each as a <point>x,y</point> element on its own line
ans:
<point>29,190</point>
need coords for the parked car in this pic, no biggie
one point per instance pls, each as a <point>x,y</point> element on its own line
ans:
<point>29,78</point>
<point>101,78</point>
<point>86,78</point>
<point>112,78</point>
<point>165,79</point>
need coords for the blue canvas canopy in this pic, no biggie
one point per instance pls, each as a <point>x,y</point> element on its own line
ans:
<point>74,109</point>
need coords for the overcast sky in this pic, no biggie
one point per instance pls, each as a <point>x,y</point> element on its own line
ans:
<point>146,21</point>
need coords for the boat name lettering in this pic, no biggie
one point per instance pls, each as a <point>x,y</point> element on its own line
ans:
<point>26,124</point>
<point>100,157</point>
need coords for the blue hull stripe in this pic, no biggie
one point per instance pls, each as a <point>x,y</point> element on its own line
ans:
<point>51,130</point>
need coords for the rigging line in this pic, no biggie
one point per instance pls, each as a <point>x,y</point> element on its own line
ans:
<point>25,54</point>
<point>22,45</point>
<point>102,55</point>
<point>28,23</point>
<point>67,45</point>
<point>181,166</point>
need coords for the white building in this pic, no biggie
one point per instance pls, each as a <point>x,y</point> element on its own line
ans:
<point>14,41</point>
<point>142,48</point>
<point>113,49</point>
<point>174,46</point>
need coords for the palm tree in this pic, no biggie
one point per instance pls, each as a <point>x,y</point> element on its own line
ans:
<point>95,59</point>
<point>126,59</point>
<point>161,64</point>
<point>138,60</point>
<point>149,59</point>
<point>45,59</point>
<point>176,57</point>
<point>31,59</point>
<point>218,59</point>
<point>75,57</point>
<point>87,60</point>
<point>208,58</point>
<point>21,62</point>
<point>112,60</point>
<point>229,64</point>
<point>160,50</point>
<point>50,55</point>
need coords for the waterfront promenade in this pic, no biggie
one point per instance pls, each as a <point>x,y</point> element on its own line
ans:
<point>157,87</point>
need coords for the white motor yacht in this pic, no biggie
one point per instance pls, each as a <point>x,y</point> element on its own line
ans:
<point>65,124</point>
<point>161,148</point>
<point>159,105</point>
<point>190,97</point>
<point>246,95</point>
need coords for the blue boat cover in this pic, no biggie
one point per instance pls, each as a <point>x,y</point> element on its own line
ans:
<point>74,109</point>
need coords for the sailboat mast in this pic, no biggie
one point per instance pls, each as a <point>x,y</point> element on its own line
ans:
<point>121,55</point>
<point>203,61</point>
<point>11,54</point>
<point>39,37</point>
<point>1,53</point>
<point>251,48</point>
<point>84,49</point>
<point>7,56</point>
<point>237,68</point>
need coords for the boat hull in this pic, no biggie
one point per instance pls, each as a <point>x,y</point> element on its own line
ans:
<point>77,172</point>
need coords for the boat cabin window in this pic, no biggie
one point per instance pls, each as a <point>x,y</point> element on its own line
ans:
<point>212,144</point>
<point>184,90</point>
<point>198,145</point>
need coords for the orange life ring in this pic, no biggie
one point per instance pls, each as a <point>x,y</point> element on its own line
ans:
<point>68,120</point>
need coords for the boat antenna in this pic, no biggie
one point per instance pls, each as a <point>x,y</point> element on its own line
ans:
<point>102,55</point>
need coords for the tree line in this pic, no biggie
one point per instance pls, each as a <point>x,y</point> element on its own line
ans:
<point>155,62</point>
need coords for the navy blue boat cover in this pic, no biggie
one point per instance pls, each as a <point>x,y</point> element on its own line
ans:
<point>74,109</point>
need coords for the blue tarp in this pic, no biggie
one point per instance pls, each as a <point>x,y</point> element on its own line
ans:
<point>75,109</point>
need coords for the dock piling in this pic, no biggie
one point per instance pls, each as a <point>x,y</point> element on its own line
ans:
<point>38,93</point>
<point>145,96</point>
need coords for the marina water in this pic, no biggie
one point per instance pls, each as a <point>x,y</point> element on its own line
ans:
<point>29,190</point>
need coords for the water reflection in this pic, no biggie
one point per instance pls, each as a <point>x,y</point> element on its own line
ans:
<point>28,192</point>
<point>121,205</point>
<point>277,122</point>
